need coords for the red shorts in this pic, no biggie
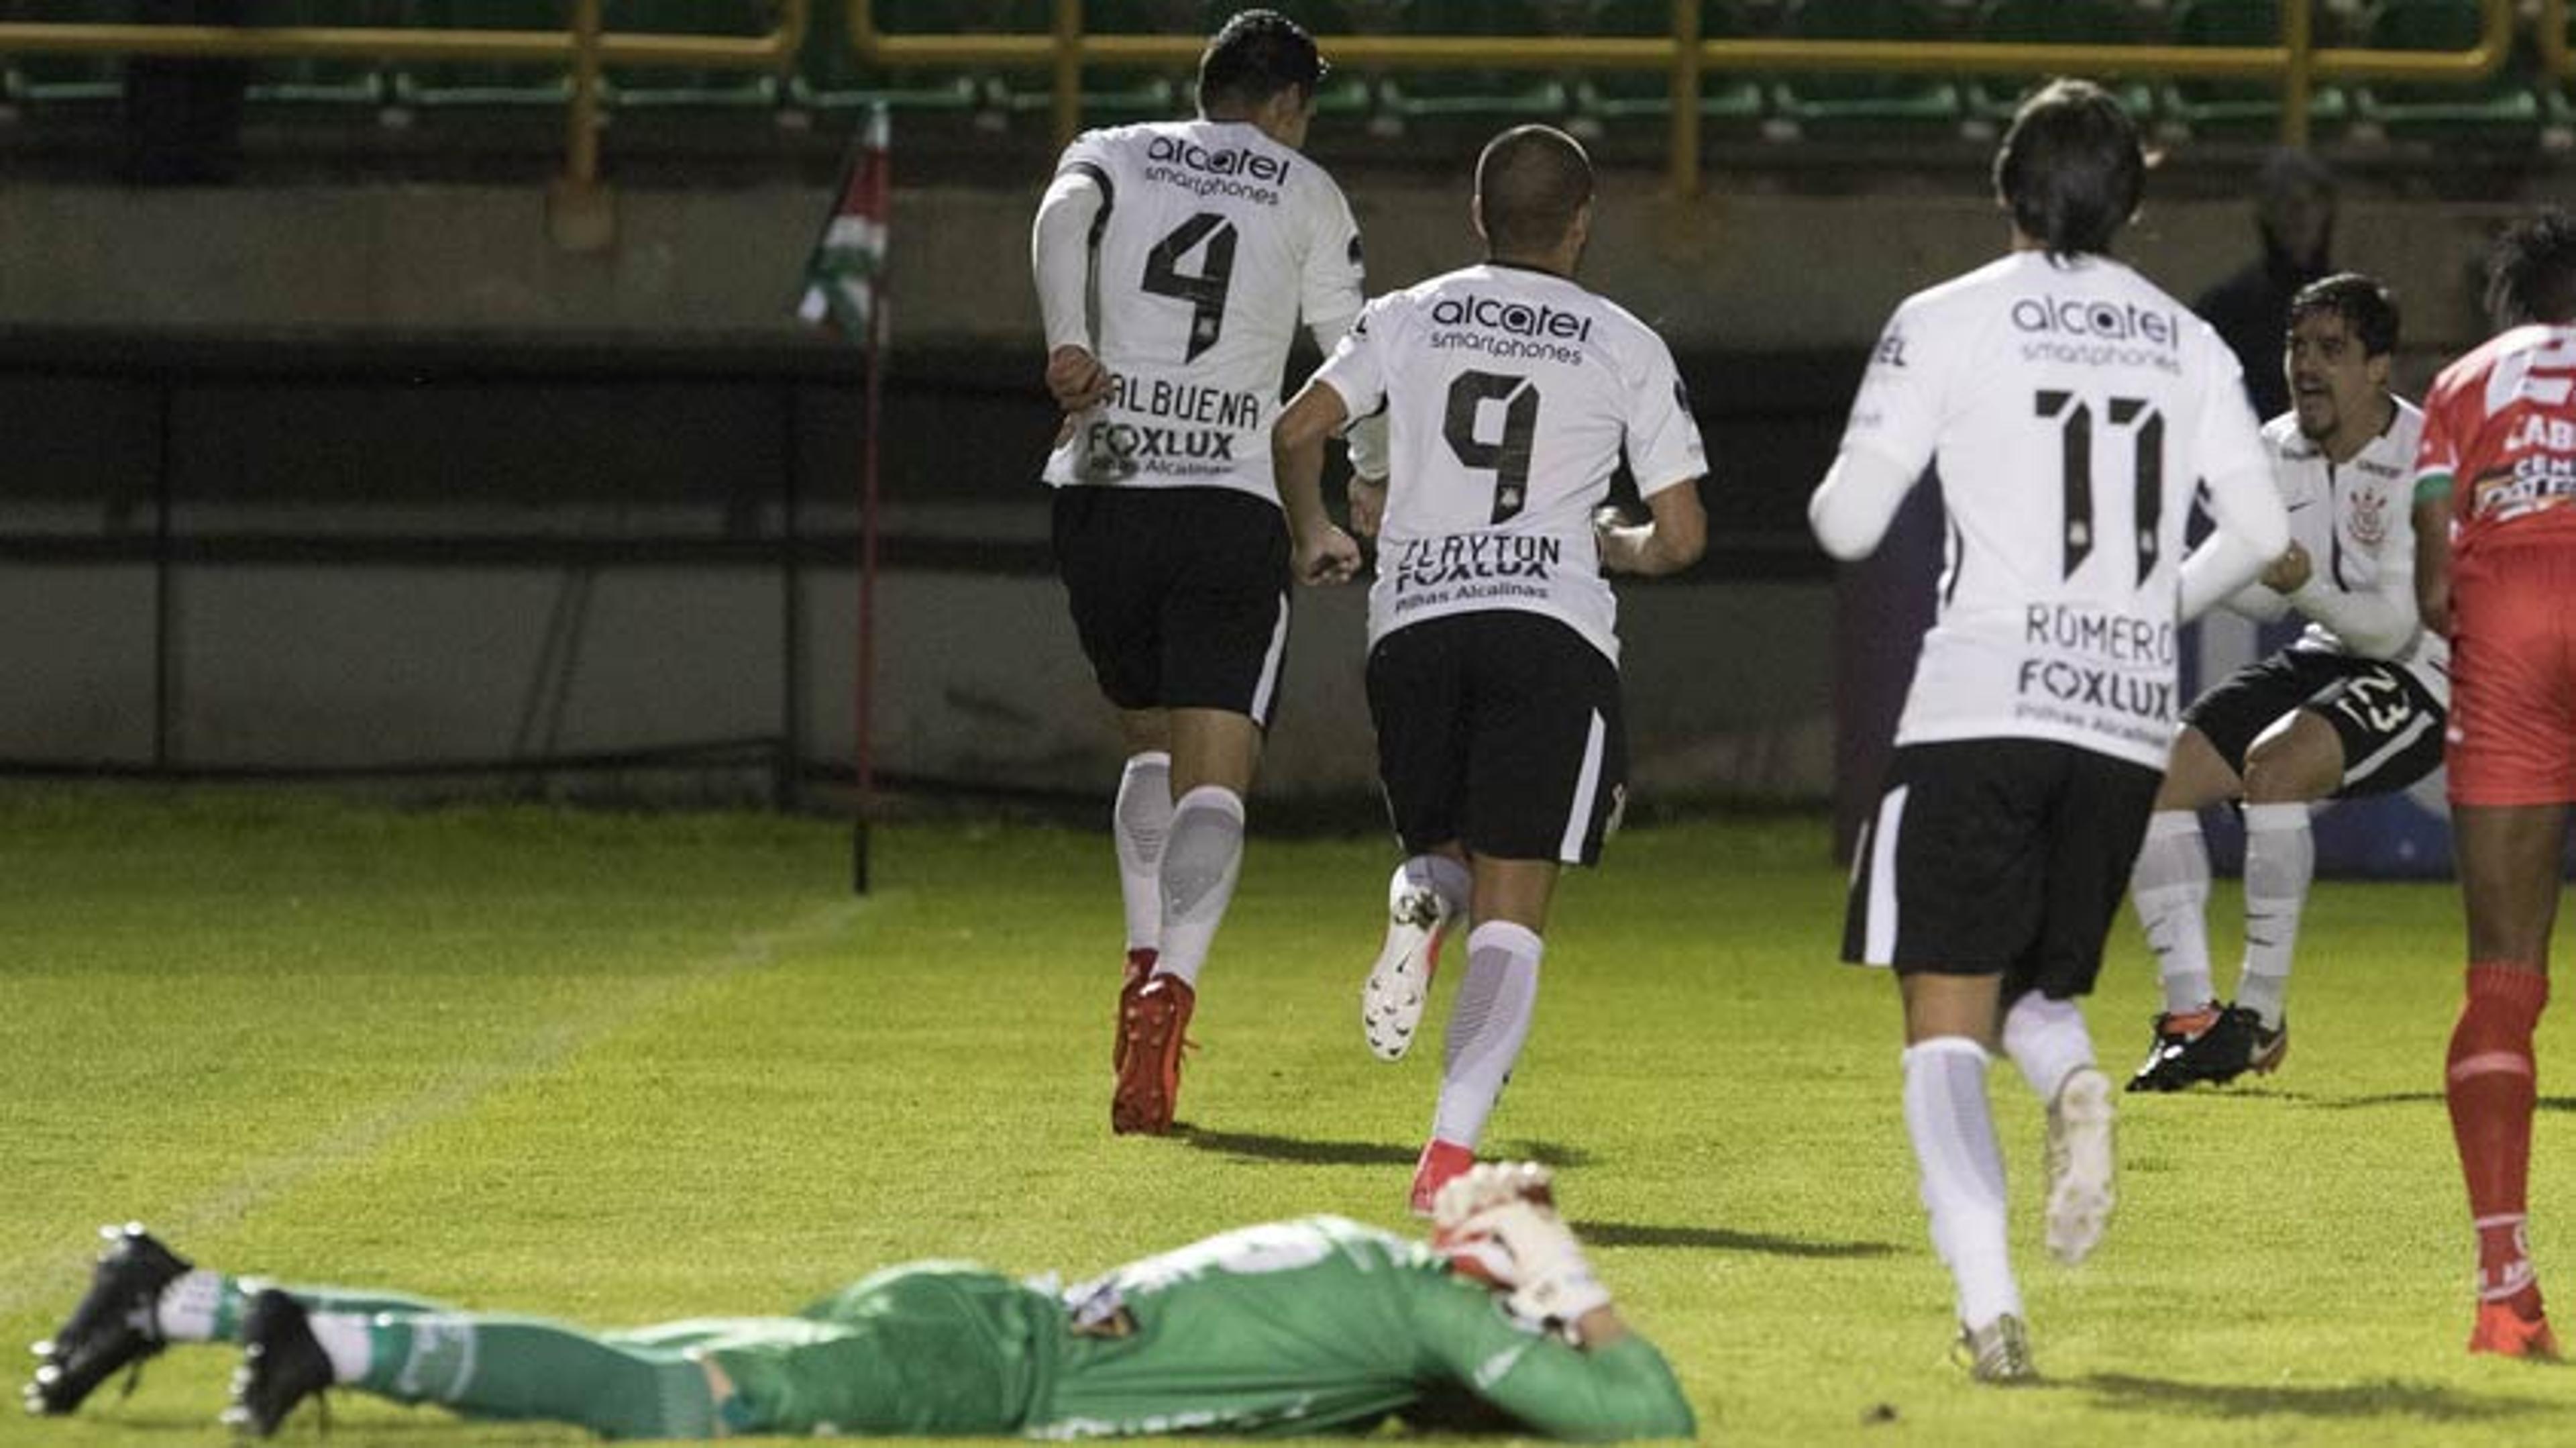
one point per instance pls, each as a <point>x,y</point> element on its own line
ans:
<point>2512,730</point>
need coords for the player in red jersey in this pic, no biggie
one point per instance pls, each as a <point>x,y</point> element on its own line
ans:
<point>2495,539</point>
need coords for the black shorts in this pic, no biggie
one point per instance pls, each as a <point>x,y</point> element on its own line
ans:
<point>1998,857</point>
<point>1180,595</point>
<point>1499,730</point>
<point>2390,726</point>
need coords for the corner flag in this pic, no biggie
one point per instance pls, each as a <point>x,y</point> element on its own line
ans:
<point>845,275</point>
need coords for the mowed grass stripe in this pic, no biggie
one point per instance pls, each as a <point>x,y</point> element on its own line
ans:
<point>929,1076</point>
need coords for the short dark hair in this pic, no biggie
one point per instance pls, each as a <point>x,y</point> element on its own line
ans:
<point>1255,55</point>
<point>2531,274</point>
<point>1530,183</point>
<point>2071,168</point>
<point>2368,308</point>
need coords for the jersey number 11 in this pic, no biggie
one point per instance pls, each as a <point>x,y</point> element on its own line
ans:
<point>2074,418</point>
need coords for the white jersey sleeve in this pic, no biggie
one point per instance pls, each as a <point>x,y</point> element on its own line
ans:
<point>1212,244</point>
<point>1511,396</point>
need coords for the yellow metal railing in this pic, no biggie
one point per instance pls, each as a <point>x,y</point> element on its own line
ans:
<point>2296,63</point>
<point>584,47</point>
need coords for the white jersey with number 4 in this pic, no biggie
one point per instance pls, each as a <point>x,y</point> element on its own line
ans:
<point>1510,396</point>
<point>1212,241</point>
<point>2069,408</point>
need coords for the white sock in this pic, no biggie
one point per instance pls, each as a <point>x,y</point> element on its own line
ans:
<point>1953,1131</point>
<point>1487,1024</point>
<point>1449,879</point>
<point>343,1336</point>
<point>2170,886</point>
<point>1140,822</point>
<point>2280,864</point>
<point>1200,863</point>
<point>187,1307</point>
<point>2047,1040</point>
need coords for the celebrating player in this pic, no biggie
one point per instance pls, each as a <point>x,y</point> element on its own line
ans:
<point>2352,707</point>
<point>2068,406</point>
<point>2495,541</point>
<point>1318,1325</point>
<point>1511,394</point>
<point>1203,241</point>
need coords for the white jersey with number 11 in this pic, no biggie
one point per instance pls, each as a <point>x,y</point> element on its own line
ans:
<point>2069,408</point>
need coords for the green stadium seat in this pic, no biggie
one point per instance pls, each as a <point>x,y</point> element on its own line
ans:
<point>2239,106</point>
<point>2501,110</point>
<point>334,82</point>
<point>1827,101</point>
<point>1485,93</point>
<point>663,87</point>
<point>430,84</point>
<point>1613,95</point>
<point>1110,94</point>
<point>1993,98</point>
<point>830,78</point>
<point>65,79</point>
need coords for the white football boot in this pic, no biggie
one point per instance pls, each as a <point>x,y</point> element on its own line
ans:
<point>1399,985</point>
<point>2079,1164</point>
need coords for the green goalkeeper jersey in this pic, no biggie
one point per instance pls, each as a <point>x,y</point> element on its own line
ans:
<point>1318,1325</point>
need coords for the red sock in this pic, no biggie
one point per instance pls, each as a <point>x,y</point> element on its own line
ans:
<point>2492,1088</point>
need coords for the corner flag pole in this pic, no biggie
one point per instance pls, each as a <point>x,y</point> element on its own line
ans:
<point>845,289</point>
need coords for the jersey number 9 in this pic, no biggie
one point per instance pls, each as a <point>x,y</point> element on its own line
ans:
<point>1509,455</point>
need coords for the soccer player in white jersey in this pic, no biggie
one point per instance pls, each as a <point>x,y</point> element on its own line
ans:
<point>2067,407</point>
<point>2354,706</point>
<point>1510,394</point>
<point>1174,260</point>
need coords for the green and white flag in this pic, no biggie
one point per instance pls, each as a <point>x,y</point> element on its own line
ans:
<point>845,276</point>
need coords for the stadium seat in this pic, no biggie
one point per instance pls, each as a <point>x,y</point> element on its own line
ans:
<point>476,83</point>
<point>1826,101</point>
<point>1993,98</point>
<point>1110,93</point>
<point>335,82</point>
<point>2239,106</point>
<point>1727,97</point>
<point>1521,95</point>
<point>2500,110</point>
<point>669,87</point>
<point>64,79</point>
<point>829,77</point>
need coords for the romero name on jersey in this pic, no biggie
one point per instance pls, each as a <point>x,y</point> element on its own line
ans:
<point>1224,239</point>
<point>2058,594</point>
<point>1538,387</point>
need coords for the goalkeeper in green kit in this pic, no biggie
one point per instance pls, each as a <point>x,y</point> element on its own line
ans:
<point>1317,1325</point>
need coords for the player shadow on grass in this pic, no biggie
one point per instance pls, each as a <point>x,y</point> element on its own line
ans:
<point>2385,1397</point>
<point>1304,1151</point>
<point>2403,1098</point>
<point>1644,1234</point>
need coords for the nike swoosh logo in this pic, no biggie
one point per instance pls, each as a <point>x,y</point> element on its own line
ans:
<point>2294,507</point>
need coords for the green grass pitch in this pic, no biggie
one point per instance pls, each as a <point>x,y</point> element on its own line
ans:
<point>622,1068</point>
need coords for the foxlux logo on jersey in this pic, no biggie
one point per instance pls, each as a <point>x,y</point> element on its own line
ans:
<point>1464,566</point>
<point>1500,327</point>
<point>1127,448</point>
<point>1225,171</point>
<point>2101,671</point>
<point>2097,332</point>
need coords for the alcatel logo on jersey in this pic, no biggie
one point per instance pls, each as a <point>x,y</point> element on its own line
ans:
<point>2100,320</point>
<point>1250,164</point>
<point>1520,319</point>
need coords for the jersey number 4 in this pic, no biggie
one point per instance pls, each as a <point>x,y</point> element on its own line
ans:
<point>2074,418</point>
<point>1205,290</point>
<point>1508,456</point>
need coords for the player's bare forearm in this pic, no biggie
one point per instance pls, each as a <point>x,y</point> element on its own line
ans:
<point>1672,542</point>
<point>1324,553</point>
<point>2433,560</point>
